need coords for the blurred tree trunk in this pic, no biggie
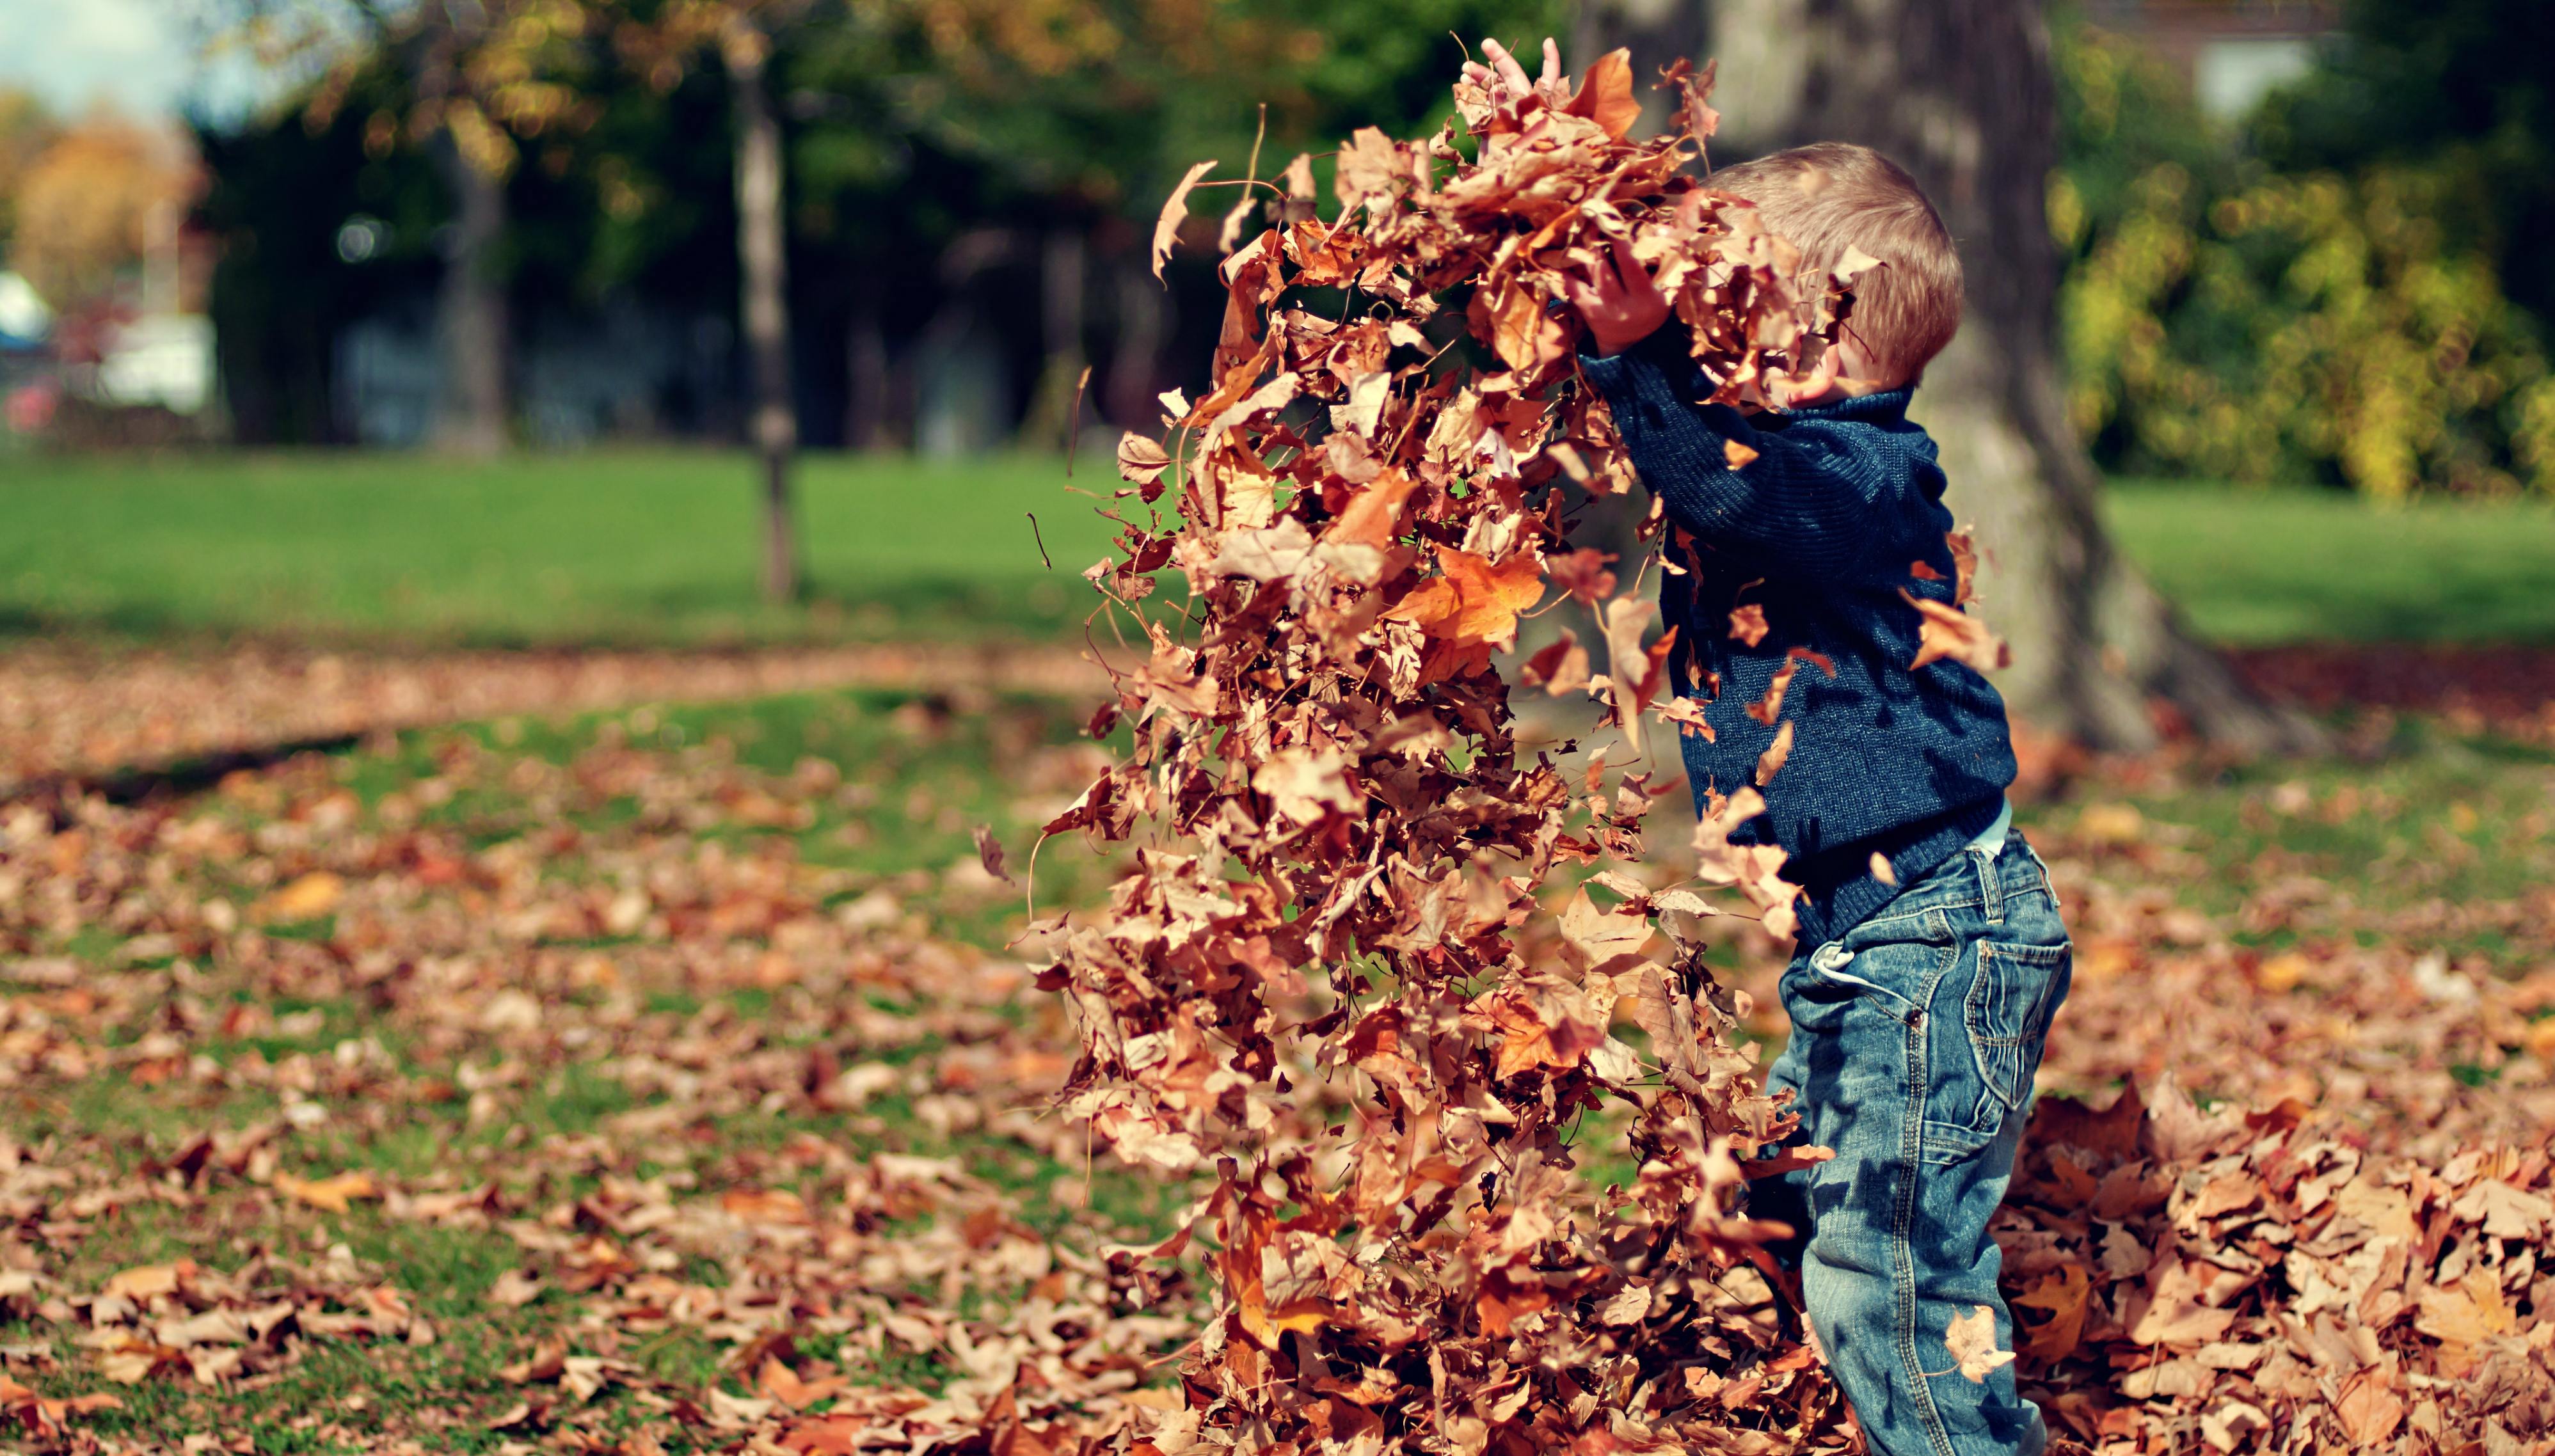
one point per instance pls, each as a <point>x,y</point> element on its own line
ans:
<point>1135,360</point>
<point>865,414</point>
<point>1052,408</point>
<point>472,330</point>
<point>764,264</point>
<point>1962,93</point>
<point>471,324</point>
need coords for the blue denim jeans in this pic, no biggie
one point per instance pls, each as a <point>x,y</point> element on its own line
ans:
<point>1915,1040</point>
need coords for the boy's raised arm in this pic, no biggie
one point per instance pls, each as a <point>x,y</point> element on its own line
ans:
<point>1791,497</point>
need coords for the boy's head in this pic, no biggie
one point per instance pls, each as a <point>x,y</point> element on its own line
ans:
<point>1829,196</point>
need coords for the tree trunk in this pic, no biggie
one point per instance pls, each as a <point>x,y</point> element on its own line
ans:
<point>1962,93</point>
<point>764,265</point>
<point>865,414</point>
<point>1058,400</point>
<point>470,314</point>
<point>1135,360</point>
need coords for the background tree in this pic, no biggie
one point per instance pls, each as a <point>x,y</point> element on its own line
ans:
<point>658,42</point>
<point>2458,84</point>
<point>27,129</point>
<point>79,207</point>
<point>1962,93</point>
<point>478,79</point>
<point>2346,290</point>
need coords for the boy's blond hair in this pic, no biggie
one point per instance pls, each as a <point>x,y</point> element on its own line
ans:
<point>1831,195</point>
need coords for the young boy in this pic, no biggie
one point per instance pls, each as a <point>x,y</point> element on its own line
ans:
<point>1931,956</point>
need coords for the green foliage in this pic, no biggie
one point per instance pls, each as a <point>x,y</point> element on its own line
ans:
<point>1105,102</point>
<point>2227,319</point>
<point>2466,85</point>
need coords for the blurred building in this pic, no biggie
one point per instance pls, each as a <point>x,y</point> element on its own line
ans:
<point>102,312</point>
<point>2233,52</point>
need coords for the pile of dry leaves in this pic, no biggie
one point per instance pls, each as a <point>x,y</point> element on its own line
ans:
<point>1321,996</point>
<point>2265,1281</point>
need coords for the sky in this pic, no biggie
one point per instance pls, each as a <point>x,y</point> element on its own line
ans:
<point>142,57</point>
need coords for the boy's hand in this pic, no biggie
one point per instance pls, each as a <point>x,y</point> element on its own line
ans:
<point>1505,80</point>
<point>1621,302</point>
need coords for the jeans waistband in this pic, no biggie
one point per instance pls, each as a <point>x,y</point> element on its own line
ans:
<point>1972,878</point>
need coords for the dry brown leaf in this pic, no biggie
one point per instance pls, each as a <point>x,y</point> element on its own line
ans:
<point>1175,210</point>
<point>2061,1295</point>
<point>306,899</point>
<point>334,1194</point>
<point>1748,624</point>
<point>1972,1339</point>
<point>1949,632</point>
<point>1770,762</point>
<point>2368,1409</point>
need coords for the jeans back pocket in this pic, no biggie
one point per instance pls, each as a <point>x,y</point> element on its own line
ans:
<point>2010,1003</point>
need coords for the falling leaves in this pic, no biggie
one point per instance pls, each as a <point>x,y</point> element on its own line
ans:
<point>1748,624</point>
<point>1301,783</point>
<point>1583,576</point>
<point>1972,1339</point>
<point>1325,780</point>
<point>1559,667</point>
<point>1633,673</point>
<point>1475,601</point>
<point>1949,632</point>
<point>988,853</point>
<point>1604,95</point>
<point>1175,210</point>
<point>1141,460</point>
<point>1771,761</point>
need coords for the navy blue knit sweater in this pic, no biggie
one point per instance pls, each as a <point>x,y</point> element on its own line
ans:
<point>1820,532</point>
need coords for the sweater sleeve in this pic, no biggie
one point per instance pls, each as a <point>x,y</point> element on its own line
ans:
<point>1820,498</point>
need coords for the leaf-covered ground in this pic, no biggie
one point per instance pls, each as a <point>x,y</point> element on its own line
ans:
<point>659,1081</point>
<point>72,710</point>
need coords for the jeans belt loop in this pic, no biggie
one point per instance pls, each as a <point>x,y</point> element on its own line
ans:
<point>1991,886</point>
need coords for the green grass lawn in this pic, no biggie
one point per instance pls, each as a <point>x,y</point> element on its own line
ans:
<point>621,547</point>
<point>660,546</point>
<point>2260,567</point>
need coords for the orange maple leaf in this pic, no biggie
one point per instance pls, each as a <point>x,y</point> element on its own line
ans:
<point>2063,1296</point>
<point>1606,95</point>
<point>1373,515</point>
<point>1474,601</point>
<point>784,1385</point>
